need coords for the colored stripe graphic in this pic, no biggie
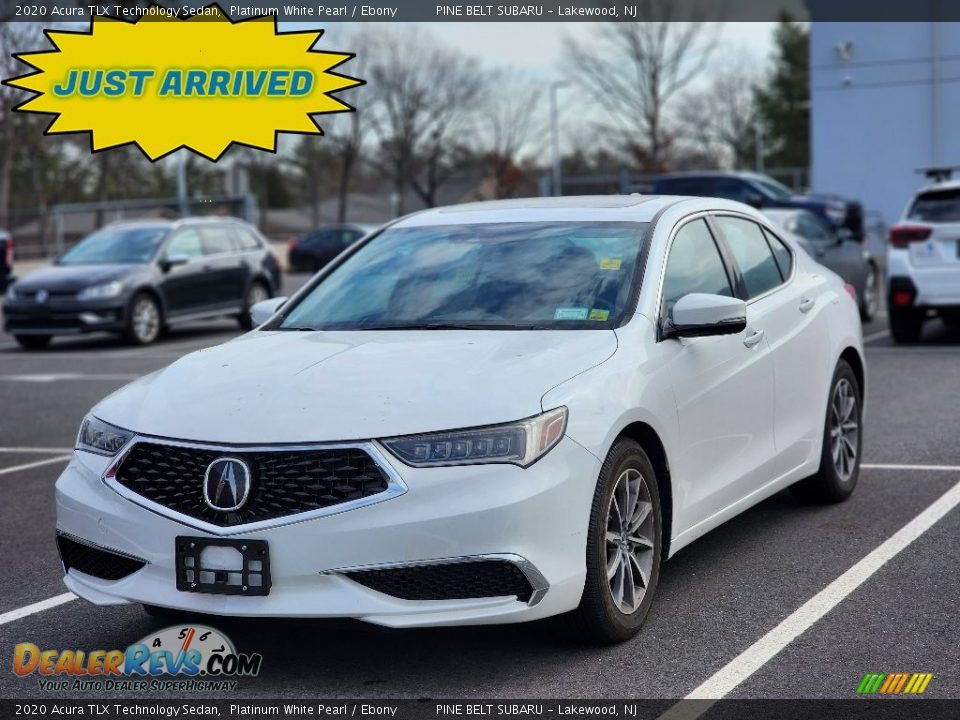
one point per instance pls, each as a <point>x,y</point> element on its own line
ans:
<point>894,683</point>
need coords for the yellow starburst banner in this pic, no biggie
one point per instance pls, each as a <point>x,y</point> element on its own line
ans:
<point>202,83</point>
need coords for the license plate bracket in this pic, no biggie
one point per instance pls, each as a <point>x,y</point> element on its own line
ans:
<point>251,579</point>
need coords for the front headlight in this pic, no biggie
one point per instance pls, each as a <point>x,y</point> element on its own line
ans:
<point>11,292</point>
<point>521,443</point>
<point>101,292</point>
<point>99,437</point>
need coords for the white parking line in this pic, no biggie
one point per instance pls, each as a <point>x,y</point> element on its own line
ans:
<point>876,336</point>
<point>9,617</point>
<point>35,450</point>
<point>932,468</point>
<point>725,680</point>
<point>59,377</point>
<point>38,463</point>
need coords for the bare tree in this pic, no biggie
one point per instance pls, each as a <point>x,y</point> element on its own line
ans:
<point>511,125</point>
<point>720,120</point>
<point>420,99</point>
<point>635,69</point>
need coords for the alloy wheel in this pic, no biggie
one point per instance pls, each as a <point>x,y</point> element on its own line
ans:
<point>257,293</point>
<point>871,297</point>
<point>629,541</point>
<point>844,429</point>
<point>146,320</point>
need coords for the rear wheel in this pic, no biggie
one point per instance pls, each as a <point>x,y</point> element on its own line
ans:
<point>33,342</point>
<point>144,321</point>
<point>842,441</point>
<point>623,548</point>
<point>906,325</point>
<point>257,292</point>
<point>870,297</point>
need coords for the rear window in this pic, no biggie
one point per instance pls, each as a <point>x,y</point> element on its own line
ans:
<point>936,206</point>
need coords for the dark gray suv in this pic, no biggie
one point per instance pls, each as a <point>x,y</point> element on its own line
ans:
<point>137,278</point>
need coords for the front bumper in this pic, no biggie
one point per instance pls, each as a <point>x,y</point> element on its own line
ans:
<point>63,316</point>
<point>535,518</point>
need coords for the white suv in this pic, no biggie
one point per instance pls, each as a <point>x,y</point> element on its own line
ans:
<point>923,262</point>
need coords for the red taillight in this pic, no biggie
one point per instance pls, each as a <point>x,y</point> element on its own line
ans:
<point>9,253</point>
<point>903,235</point>
<point>292,246</point>
<point>901,298</point>
<point>851,291</point>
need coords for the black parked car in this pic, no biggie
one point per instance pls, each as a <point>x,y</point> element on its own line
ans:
<point>6,259</point>
<point>318,247</point>
<point>762,191</point>
<point>137,278</point>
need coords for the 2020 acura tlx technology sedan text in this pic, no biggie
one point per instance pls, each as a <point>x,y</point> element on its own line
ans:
<point>483,413</point>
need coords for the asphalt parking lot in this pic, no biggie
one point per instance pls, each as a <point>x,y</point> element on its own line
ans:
<point>726,614</point>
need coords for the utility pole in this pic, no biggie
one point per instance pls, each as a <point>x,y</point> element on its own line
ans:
<point>182,197</point>
<point>557,180</point>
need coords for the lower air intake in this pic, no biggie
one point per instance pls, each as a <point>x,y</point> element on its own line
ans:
<point>448,581</point>
<point>95,561</point>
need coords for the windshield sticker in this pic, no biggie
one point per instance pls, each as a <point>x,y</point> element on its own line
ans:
<point>610,263</point>
<point>570,314</point>
<point>599,315</point>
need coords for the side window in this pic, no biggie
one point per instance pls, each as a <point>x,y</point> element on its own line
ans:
<point>752,254</point>
<point>811,229</point>
<point>731,189</point>
<point>185,242</point>
<point>248,241</point>
<point>218,240</point>
<point>694,266</point>
<point>781,253</point>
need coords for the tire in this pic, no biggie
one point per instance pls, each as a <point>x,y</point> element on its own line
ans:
<point>144,320</point>
<point>33,342</point>
<point>906,325</point>
<point>603,617</point>
<point>839,470</point>
<point>870,297</point>
<point>257,292</point>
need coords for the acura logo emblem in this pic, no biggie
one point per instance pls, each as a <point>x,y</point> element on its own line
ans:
<point>42,296</point>
<point>226,484</point>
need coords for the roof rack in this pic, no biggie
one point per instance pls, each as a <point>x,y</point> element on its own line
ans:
<point>940,173</point>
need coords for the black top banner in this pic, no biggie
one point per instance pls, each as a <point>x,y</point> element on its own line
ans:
<point>333,11</point>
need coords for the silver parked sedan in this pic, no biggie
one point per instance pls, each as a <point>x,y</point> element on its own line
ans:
<point>840,251</point>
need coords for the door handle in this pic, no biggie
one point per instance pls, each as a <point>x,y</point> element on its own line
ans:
<point>806,304</point>
<point>753,338</point>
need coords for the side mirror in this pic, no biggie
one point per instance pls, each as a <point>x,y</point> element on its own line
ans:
<point>265,309</point>
<point>701,315</point>
<point>754,200</point>
<point>171,261</point>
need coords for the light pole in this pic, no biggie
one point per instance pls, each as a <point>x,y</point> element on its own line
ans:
<point>555,185</point>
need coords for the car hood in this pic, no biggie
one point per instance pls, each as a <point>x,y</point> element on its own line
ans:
<point>71,278</point>
<point>289,386</point>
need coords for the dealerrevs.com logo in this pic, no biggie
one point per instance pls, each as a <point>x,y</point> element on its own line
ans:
<point>182,657</point>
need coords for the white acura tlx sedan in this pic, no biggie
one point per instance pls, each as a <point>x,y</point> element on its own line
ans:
<point>485,413</point>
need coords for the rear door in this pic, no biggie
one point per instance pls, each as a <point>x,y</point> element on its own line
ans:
<point>227,272</point>
<point>790,308</point>
<point>723,386</point>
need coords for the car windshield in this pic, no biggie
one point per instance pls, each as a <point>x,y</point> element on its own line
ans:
<point>937,206</point>
<point>772,187</point>
<point>109,246</point>
<point>563,275</point>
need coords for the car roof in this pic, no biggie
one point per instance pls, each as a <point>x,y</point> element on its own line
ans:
<point>745,174</point>
<point>946,185</point>
<point>179,222</point>
<point>626,208</point>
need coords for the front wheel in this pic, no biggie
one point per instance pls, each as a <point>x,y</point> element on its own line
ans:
<point>623,547</point>
<point>842,441</point>
<point>144,321</point>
